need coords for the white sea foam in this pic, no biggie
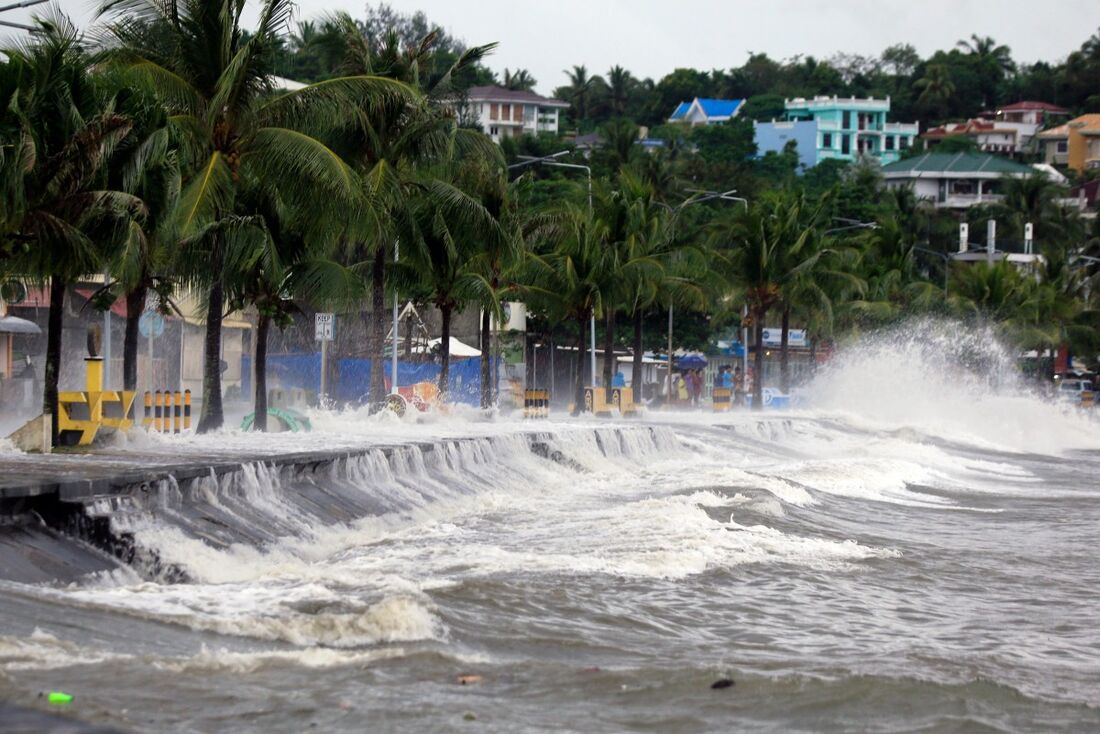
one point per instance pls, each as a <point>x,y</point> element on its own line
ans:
<point>949,382</point>
<point>41,650</point>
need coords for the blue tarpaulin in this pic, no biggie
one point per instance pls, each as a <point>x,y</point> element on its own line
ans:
<point>352,379</point>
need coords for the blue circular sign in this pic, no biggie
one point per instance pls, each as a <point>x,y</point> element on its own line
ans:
<point>151,324</point>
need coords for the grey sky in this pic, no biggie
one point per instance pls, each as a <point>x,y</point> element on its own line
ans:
<point>652,37</point>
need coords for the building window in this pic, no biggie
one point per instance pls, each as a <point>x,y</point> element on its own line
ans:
<point>845,143</point>
<point>826,140</point>
<point>903,143</point>
<point>889,142</point>
<point>846,122</point>
<point>494,131</point>
<point>1063,146</point>
<point>494,113</point>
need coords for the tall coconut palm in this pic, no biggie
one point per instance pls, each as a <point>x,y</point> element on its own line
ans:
<point>520,80</point>
<point>66,130</point>
<point>620,84</point>
<point>387,143</point>
<point>443,237</point>
<point>572,275</point>
<point>215,80</point>
<point>771,250</point>
<point>936,88</point>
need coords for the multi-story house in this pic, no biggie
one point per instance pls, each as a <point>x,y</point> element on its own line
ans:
<point>1009,138</point>
<point>509,113</point>
<point>700,111</point>
<point>1030,112</point>
<point>844,128</point>
<point>955,180</point>
<point>1075,144</point>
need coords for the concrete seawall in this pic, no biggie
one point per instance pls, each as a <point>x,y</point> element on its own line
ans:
<point>66,515</point>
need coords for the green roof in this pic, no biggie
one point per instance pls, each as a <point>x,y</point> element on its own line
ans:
<point>958,163</point>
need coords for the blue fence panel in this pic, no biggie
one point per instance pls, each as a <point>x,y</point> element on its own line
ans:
<point>353,381</point>
<point>295,370</point>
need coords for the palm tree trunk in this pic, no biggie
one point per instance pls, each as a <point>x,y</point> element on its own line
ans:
<point>636,367</point>
<point>378,334</point>
<point>486,359</point>
<point>53,354</point>
<point>445,349</point>
<point>260,402</point>
<point>608,352</point>
<point>758,361</point>
<point>135,304</point>
<point>784,353</point>
<point>212,417</point>
<point>578,392</point>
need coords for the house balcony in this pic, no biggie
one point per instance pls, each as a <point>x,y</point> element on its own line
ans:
<point>901,128</point>
<point>965,201</point>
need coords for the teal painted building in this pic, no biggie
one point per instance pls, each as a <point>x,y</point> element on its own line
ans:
<point>846,127</point>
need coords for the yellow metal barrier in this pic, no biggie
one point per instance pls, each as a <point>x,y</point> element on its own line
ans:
<point>721,399</point>
<point>623,400</point>
<point>595,401</point>
<point>536,403</point>
<point>167,412</point>
<point>97,402</point>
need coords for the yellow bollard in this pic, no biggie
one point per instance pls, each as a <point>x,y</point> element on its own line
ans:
<point>187,410</point>
<point>177,411</point>
<point>158,411</point>
<point>721,399</point>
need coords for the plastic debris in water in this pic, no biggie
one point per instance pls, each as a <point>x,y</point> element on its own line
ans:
<point>722,683</point>
<point>57,697</point>
<point>469,680</point>
<point>469,716</point>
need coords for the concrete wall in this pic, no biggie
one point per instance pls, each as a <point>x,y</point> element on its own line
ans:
<point>775,135</point>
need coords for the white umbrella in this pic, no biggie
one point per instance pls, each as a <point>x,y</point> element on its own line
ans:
<point>16,325</point>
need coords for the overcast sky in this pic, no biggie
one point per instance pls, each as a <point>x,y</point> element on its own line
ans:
<point>652,37</point>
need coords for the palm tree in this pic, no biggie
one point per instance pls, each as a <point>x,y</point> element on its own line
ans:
<point>66,129</point>
<point>214,79</point>
<point>936,88</point>
<point>519,81</point>
<point>572,276</point>
<point>620,84</point>
<point>390,141</point>
<point>444,235</point>
<point>146,165</point>
<point>580,88</point>
<point>771,250</point>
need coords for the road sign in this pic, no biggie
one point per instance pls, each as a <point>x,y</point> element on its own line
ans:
<point>324,327</point>
<point>151,324</point>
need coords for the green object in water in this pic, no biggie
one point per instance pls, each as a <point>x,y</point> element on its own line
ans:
<point>58,697</point>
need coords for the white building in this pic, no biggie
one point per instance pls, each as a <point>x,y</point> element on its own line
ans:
<point>954,180</point>
<point>508,113</point>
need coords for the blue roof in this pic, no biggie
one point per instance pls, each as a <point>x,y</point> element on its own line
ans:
<point>681,110</point>
<point>711,107</point>
<point>720,107</point>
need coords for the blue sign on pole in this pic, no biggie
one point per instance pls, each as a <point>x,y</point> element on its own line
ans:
<point>151,324</point>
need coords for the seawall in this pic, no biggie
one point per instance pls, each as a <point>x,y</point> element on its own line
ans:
<point>64,516</point>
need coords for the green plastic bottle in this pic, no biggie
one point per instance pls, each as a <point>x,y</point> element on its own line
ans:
<point>57,697</point>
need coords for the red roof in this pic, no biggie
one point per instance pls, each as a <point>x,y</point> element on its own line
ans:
<point>500,94</point>
<point>1032,105</point>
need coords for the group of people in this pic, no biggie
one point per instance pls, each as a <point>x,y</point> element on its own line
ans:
<point>688,386</point>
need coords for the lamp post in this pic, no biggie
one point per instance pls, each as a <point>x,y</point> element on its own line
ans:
<point>946,263</point>
<point>551,160</point>
<point>393,357</point>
